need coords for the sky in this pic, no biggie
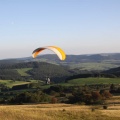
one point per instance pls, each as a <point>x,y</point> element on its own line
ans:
<point>76,26</point>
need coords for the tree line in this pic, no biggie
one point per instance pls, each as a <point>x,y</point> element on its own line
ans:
<point>58,93</point>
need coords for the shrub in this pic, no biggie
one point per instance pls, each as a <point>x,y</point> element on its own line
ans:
<point>96,96</point>
<point>93,109</point>
<point>106,94</point>
<point>29,97</point>
<point>63,110</point>
<point>54,100</point>
<point>105,107</point>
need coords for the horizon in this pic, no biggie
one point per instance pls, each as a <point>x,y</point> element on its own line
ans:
<point>76,26</point>
<point>56,55</point>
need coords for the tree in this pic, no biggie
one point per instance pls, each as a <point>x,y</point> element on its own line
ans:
<point>54,100</point>
<point>106,94</point>
<point>112,88</point>
<point>96,96</point>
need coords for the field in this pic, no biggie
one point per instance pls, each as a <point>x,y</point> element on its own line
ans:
<point>79,81</point>
<point>94,65</point>
<point>10,83</point>
<point>63,111</point>
<point>23,71</point>
<point>58,112</point>
<point>93,80</point>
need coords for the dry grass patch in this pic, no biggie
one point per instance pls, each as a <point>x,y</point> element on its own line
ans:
<point>55,112</point>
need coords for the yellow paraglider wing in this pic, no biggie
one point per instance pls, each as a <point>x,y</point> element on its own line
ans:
<point>60,53</point>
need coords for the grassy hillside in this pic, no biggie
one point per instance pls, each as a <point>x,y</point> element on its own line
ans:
<point>93,65</point>
<point>88,61</point>
<point>33,70</point>
<point>58,112</point>
<point>11,83</point>
<point>23,71</point>
<point>79,81</point>
<point>93,80</point>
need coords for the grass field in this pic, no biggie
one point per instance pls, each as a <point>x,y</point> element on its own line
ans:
<point>93,80</point>
<point>94,65</point>
<point>23,71</point>
<point>10,83</point>
<point>88,81</point>
<point>58,112</point>
<point>79,81</point>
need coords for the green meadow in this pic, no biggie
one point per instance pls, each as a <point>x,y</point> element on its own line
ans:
<point>11,83</point>
<point>94,65</point>
<point>92,80</point>
<point>23,71</point>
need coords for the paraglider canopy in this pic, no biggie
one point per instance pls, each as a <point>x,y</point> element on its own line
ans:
<point>60,53</point>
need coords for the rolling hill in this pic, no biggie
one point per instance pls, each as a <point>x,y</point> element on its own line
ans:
<point>113,71</point>
<point>83,62</point>
<point>34,70</point>
<point>50,66</point>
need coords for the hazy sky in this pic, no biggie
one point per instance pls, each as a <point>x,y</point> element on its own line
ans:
<point>77,26</point>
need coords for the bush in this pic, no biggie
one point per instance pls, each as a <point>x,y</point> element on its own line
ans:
<point>93,109</point>
<point>106,94</point>
<point>105,107</point>
<point>29,97</point>
<point>54,100</point>
<point>96,96</point>
<point>62,95</point>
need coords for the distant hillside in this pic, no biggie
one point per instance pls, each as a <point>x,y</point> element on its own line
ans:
<point>82,62</point>
<point>113,71</point>
<point>34,70</point>
<point>82,58</point>
<point>75,66</point>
